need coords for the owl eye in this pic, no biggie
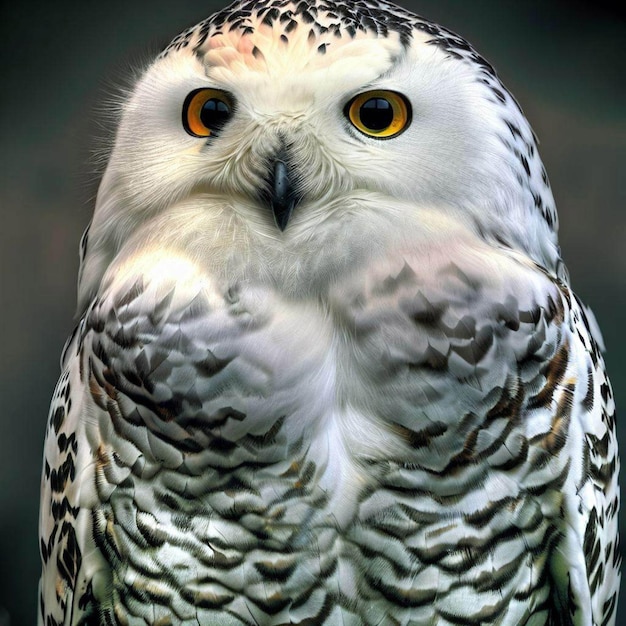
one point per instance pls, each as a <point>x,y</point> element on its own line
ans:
<point>381,114</point>
<point>206,111</point>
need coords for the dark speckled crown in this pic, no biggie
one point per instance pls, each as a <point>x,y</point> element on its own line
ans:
<point>325,21</point>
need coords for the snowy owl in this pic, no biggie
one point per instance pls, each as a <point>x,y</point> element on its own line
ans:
<point>329,369</point>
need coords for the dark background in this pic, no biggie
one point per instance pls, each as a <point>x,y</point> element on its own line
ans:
<point>60,63</point>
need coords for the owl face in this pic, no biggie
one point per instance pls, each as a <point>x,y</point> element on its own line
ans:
<point>281,124</point>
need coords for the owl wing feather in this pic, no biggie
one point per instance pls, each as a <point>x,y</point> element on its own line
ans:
<point>594,504</point>
<point>63,518</point>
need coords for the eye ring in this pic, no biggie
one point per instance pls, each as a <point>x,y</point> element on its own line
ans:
<point>206,111</point>
<point>379,113</point>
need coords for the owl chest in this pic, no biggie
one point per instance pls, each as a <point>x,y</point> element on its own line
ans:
<point>289,456</point>
<point>325,397</point>
<point>277,543</point>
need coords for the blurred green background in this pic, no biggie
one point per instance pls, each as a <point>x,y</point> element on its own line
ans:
<point>62,61</point>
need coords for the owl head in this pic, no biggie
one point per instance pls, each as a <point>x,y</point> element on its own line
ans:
<point>281,129</point>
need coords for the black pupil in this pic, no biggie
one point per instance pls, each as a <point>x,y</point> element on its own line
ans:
<point>214,113</point>
<point>376,114</point>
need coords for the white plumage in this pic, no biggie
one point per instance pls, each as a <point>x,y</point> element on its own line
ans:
<point>329,368</point>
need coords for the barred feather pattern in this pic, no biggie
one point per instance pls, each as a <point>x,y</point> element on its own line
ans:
<point>399,461</point>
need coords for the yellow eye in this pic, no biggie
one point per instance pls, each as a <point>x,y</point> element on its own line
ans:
<point>380,113</point>
<point>206,111</point>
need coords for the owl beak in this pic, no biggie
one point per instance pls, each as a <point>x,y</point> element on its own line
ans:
<point>282,194</point>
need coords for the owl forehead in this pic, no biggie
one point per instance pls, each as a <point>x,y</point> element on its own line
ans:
<point>256,64</point>
<point>322,22</point>
<point>301,31</point>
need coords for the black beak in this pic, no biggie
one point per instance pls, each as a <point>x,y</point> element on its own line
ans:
<point>282,194</point>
